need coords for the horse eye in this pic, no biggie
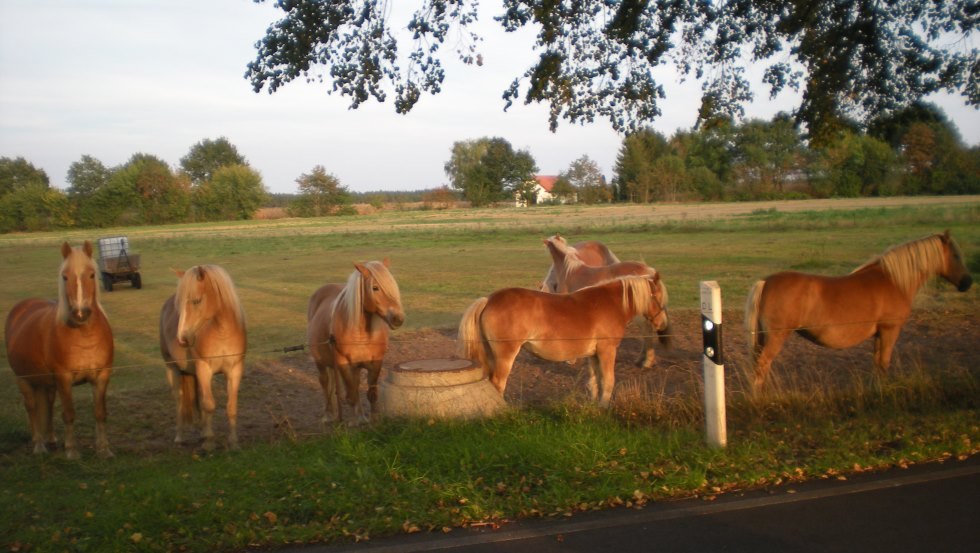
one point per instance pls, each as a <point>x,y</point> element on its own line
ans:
<point>375,289</point>
<point>196,302</point>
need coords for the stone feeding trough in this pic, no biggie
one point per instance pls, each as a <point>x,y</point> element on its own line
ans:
<point>440,388</point>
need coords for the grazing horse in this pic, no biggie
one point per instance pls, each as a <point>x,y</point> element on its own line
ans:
<point>53,346</point>
<point>202,333</point>
<point>559,327</point>
<point>347,330</point>
<point>573,274</point>
<point>839,312</point>
<point>590,252</point>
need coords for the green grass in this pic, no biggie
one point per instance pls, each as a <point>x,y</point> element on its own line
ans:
<point>403,476</point>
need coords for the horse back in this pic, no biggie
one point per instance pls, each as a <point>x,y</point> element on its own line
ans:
<point>595,253</point>
<point>835,311</point>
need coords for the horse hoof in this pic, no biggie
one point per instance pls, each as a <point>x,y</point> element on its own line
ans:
<point>72,454</point>
<point>208,445</point>
<point>40,449</point>
<point>105,454</point>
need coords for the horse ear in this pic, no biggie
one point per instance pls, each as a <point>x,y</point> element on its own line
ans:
<point>87,248</point>
<point>65,249</point>
<point>362,269</point>
<point>946,237</point>
<point>178,272</point>
<point>200,273</point>
<point>386,262</point>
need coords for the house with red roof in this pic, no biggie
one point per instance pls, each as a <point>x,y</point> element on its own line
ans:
<point>543,185</point>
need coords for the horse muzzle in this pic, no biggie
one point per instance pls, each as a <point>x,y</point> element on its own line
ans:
<point>965,283</point>
<point>80,315</point>
<point>395,319</point>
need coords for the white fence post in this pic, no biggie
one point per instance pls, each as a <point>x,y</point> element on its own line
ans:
<point>713,364</point>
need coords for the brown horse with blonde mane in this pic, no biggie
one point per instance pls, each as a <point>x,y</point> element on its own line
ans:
<point>573,274</point>
<point>202,333</point>
<point>53,346</point>
<point>840,312</point>
<point>348,330</point>
<point>559,327</point>
<point>590,252</point>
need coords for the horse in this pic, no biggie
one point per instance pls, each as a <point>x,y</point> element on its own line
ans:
<point>590,252</point>
<point>842,311</point>
<point>559,327</point>
<point>574,274</point>
<point>53,346</point>
<point>202,333</point>
<point>347,330</point>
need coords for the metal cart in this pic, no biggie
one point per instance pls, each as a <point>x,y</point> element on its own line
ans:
<point>117,264</point>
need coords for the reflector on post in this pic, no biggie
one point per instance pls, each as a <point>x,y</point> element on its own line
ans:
<point>714,370</point>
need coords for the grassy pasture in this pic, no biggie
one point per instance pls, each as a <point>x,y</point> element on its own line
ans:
<point>405,476</point>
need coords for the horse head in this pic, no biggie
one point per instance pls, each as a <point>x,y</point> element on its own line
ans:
<point>955,270</point>
<point>78,289</point>
<point>194,304</point>
<point>380,292</point>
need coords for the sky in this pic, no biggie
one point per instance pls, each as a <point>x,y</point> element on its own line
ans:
<point>111,78</point>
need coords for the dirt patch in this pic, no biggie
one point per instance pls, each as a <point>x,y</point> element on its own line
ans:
<point>281,399</point>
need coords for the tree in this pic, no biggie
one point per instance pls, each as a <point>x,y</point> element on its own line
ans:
<point>320,194</point>
<point>598,58</point>
<point>586,179</point>
<point>34,206</point>
<point>207,156</point>
<point>766,154</point>
<point>855,165</point>
<point>634,164</point>
<point>487,169</point>
<point>563,191</point>
<point>85,177</point>
<point>235,192</point>
<point>17,173</point>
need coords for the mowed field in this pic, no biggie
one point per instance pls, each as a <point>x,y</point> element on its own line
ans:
<point>443,260</point>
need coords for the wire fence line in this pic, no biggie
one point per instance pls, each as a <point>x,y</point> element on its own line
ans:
<point>304,347</point>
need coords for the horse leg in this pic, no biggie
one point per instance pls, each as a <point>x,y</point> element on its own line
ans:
<point>772,343</point>
<point>374,371</point>
<point>68,414</point>
<point>593,384</point>
<point>885,340</point>
<point>206,399</point>
<point>99,387</point>
<point>328,385</point>
<point>47,416</point>
<point>504,354</point>
<point>648,357</point>
<point>35,403</point>
<point>351,378</point>
<point>606,360</point>
<point>233,381</point>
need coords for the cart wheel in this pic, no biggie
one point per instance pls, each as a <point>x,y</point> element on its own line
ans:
<point>107,282</point>
<point>136,280</point>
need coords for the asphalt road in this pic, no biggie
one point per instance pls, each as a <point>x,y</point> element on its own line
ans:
<point>928,508</point>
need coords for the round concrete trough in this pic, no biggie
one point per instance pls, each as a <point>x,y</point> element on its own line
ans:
<point>442,388</point>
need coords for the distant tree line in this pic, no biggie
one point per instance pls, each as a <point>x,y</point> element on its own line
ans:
<point>910,152</point>
<point>214,182</point>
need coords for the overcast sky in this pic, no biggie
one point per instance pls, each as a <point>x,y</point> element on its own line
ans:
<point>110,78</point>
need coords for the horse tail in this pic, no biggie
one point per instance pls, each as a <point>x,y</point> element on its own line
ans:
<point>469,339</point>
<point>664,334</point>
<point>190,404</point>
<point>752,322</point>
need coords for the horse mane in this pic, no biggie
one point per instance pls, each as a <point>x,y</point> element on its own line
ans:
<point>62,311</point>
<point>219,283</point>
<point>351,298</point>
<point>906,264</point>
<point>570,254</point>
<point>638,288</point>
